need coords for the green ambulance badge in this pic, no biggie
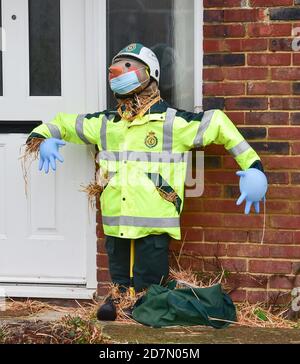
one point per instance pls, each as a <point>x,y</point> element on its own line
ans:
<point>151,140</point>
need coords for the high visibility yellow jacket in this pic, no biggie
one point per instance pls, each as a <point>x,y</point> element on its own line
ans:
<point>145,157</point>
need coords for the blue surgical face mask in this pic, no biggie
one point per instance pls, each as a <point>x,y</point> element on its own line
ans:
<point>125,83</point>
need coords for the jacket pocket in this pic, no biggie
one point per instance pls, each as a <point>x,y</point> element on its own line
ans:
<point>165,190</point>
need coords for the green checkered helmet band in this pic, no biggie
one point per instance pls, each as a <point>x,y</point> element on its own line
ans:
<point>144,54</point>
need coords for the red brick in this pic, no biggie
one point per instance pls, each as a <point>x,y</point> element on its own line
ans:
<point>296,59</point>
<point>192,234</point>
<point>242,15</point>
<point>269,3</point>
<point>277,178</point>
<point>231,265</point>
<point>213,74</point>
<point>246,103</point>
<point>102,290</point>
<point>98,217</point>
<point>211,46</point>
<point>257,296</point>
<point>225,177</point>
<point>269,59</point>
<point>295,118</point>
<point>238,295</point>
<point>289,103</point>
<point>249,73</point>
<point>285,73</point>
<point>278,207</point>
<point>279,298</point>
<point>248,250</point>
<point>103,275</point>
<point>220,206</point>
<point>242,221</point>
<point>272,236</point>
<point>270,266</point>
<point>215,149</point>
<point>193,204</point>
<point>284,133</point>
<point>295,207</point>
<point>292,252</point>
<point>221,3</point>
<point>285,222</point>
<point>213,89</point>
<point>224,31</point>
<point>295,148</point>
<point>235,45</point>
<point>296,268</point>
<point>212,191</point>
<point>102,261</point>
<point>268,88</point>
<point>296,237</point>
<point>211,16</point>
<point>101,246</point>
<point>221,235</point>
<point>190,219</point>
<point>280,162</point>
<point>99,231</point>
<point>282,282</point>
<point>280,44</point>
<point>242,280</point>
<point>237,117</point>
<point>266,118</point>
<point>243,45</point>
<point>204,249</point>
<point>269,30</point>
<point>283,192</point>
<point>196,264</point>
<point>295,178</point>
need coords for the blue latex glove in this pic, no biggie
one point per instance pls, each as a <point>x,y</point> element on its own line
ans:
<point>253,187</point>
<point>49,153</point>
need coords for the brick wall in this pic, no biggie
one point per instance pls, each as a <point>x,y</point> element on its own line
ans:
<point>250,72</point>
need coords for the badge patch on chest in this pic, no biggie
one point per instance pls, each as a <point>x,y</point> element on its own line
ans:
<point>151,140</point>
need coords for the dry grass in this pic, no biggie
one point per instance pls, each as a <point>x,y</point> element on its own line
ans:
<point>258,315</point>
<point>93,190</point>
<point>29,153</point>
<point>78,325</point>
<point>124,301</point>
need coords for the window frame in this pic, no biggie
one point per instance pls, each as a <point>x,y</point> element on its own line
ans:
<point>198,54</point>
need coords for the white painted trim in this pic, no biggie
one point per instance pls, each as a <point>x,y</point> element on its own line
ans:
<point>198,54</point>
<point>42,280</point>
<point>96,78</point>
<point>101,49</point>
<point>43,291</point>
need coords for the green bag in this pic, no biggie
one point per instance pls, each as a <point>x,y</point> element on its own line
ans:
<point>165,306</point>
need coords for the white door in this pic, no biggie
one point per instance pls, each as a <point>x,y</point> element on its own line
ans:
<point>47,240</point>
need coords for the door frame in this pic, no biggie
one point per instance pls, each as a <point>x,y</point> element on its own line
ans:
<point>95,99</point>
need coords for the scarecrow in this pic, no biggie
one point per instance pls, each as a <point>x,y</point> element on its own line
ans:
<point>142,166</point>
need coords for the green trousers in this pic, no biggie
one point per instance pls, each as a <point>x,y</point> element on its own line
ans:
<point>151,263</point>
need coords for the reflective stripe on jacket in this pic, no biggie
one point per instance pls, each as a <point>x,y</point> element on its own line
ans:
<point>145,159</point>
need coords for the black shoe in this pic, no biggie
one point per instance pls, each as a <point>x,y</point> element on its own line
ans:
<point>107,311</point>
<point>128,312</point>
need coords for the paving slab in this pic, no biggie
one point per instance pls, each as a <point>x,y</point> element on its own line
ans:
<point>124,333</point>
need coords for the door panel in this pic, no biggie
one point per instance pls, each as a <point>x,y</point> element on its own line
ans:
<point>44,236</point>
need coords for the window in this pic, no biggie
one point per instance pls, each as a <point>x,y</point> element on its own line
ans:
<point>44,47</point>
<point>165,26</point>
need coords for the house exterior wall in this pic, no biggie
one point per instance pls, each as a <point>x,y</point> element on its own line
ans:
<point>251,72</point>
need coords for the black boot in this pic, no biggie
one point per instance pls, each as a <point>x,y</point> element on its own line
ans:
<point>107,311</point>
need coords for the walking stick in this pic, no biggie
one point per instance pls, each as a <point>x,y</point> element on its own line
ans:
<point>131,288</point>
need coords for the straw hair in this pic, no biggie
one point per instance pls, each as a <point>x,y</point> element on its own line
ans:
<point>29,153</point>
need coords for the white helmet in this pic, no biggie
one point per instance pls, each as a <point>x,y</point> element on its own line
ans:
<point>144,54</point>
